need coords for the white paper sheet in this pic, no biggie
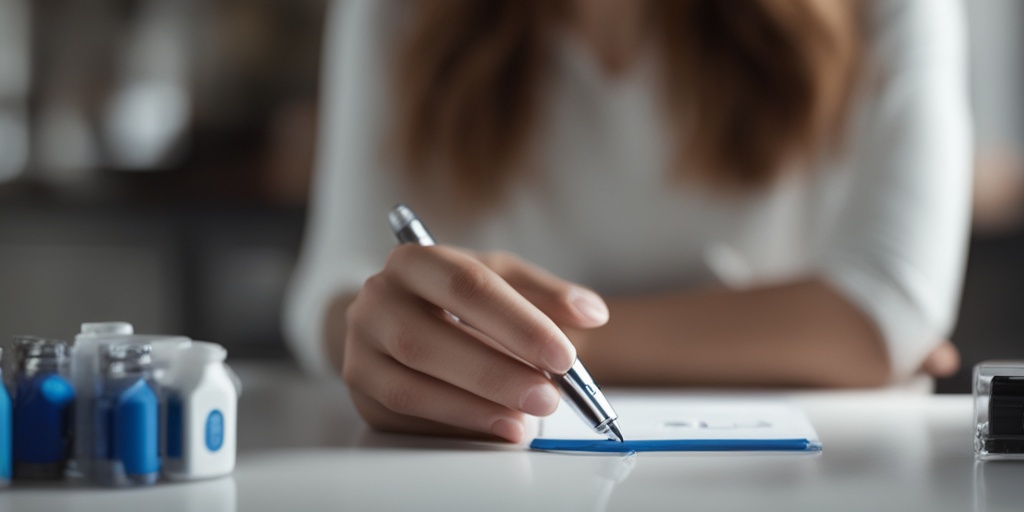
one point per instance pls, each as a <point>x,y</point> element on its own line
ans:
<point>690,418</point>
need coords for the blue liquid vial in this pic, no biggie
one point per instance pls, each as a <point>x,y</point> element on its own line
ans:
<point>42,405</point>
<point>5,432</point>
<point>126,413</point>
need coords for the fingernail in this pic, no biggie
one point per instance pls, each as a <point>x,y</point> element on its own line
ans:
<point>508,429</point>
<point>589,305</point>
<point>539,400</point>
<point>558,359</point>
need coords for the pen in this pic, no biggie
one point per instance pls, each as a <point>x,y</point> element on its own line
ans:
<point>577,386</point>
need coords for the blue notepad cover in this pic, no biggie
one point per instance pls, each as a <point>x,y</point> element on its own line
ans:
<point>676,445</point>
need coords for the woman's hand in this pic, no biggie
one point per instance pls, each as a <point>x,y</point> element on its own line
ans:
<point>943,361</point>
<point>411,368</point>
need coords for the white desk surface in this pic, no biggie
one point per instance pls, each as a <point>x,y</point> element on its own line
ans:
<point>303,448</point>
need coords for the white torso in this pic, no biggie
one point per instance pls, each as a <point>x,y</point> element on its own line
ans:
<point>885,221</point>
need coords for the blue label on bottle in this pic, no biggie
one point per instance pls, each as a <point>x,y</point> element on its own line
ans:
<point>214,430</point>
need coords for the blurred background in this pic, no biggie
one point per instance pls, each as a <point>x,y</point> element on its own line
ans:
<point>155,158</point>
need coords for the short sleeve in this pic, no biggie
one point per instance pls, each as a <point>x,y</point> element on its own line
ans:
<point>899,247</point>
<point>346,238</point>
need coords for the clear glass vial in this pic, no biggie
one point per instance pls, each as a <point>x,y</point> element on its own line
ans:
<point>999,410</point>
<point>42,405</point>
<point>127,434</point>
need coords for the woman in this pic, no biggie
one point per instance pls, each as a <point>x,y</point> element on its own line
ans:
<point>758,193</point>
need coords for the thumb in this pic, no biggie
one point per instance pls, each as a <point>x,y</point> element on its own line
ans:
<point>567,304</point>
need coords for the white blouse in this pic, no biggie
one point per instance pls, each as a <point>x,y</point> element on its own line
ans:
<point>885,221</point>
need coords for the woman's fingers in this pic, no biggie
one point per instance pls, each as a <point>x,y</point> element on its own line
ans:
<point>459,283</point>
<point>566,303</point>
<point>395,390</point>
<point>384,420</point>
<point>428,343</point>
<point>413,368</point>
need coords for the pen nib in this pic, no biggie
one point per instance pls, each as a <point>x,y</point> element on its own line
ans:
<point>614,433</point>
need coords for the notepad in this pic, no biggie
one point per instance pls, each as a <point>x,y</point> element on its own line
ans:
<point>686,424</point>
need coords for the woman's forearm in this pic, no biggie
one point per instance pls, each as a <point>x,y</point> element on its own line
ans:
<point>797,334</point>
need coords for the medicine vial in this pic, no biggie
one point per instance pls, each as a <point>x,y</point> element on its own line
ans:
<point>42,406</point>
<point>999,410</point>
<point>87,376</point>
<point>126,415</point>
<point>202,404</point>
<point>5,431</point>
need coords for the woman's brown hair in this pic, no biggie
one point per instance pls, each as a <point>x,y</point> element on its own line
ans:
<point>753,85</point>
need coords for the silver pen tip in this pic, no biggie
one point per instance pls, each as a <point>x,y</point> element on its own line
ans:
<point>614,429</point>
<point>400,216</point>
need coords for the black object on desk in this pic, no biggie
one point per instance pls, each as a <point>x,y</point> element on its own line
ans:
<point>1006,415</point>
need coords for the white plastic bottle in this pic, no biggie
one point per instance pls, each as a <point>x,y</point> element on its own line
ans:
<point>202,413</point>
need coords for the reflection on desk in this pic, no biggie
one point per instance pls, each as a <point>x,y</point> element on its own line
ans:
<point>303,448</point>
